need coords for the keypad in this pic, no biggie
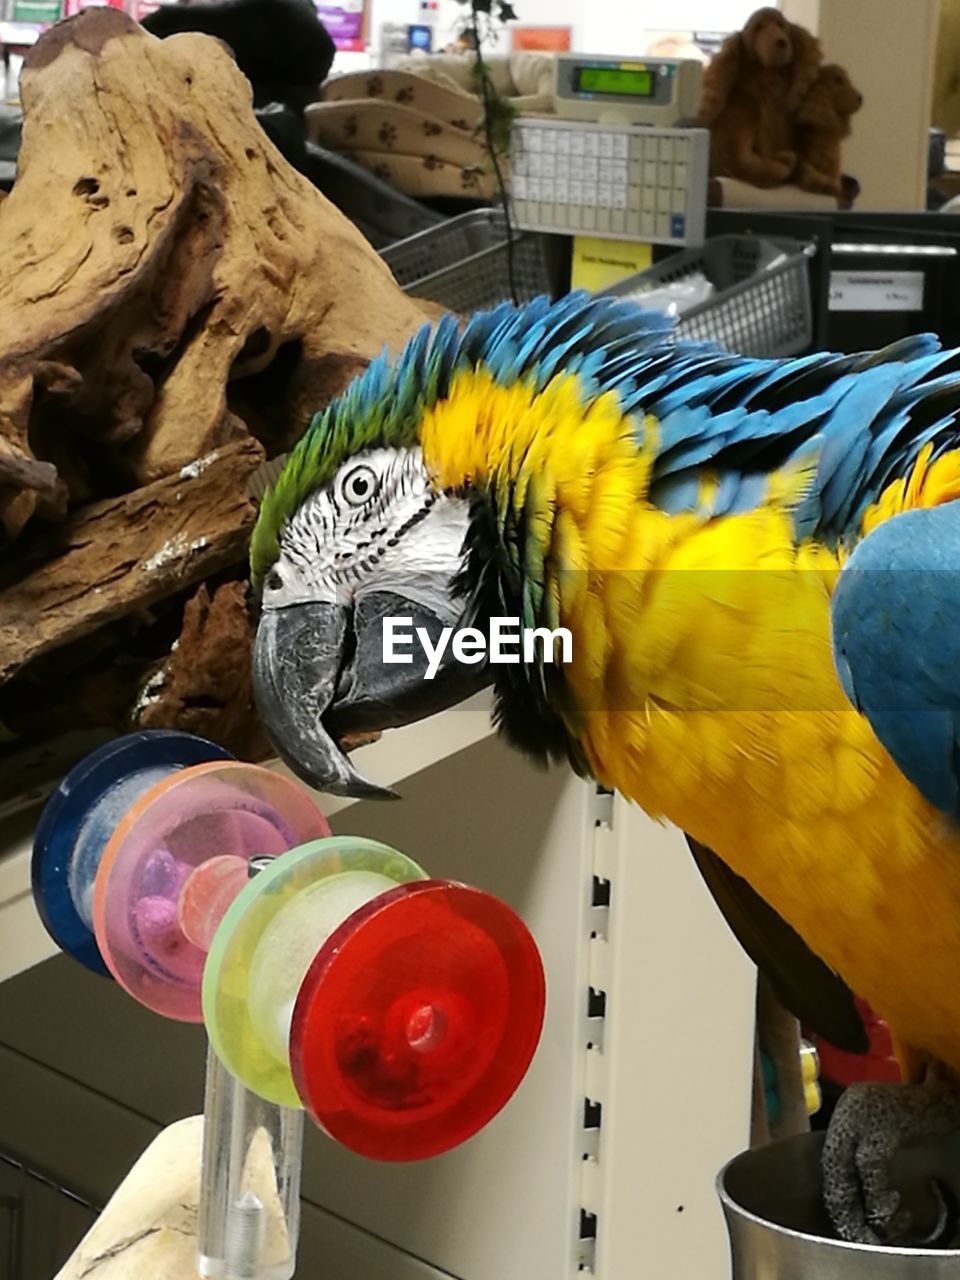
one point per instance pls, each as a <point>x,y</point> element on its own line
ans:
<point>626,182</point>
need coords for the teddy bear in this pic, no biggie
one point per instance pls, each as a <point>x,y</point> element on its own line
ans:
<point>823,121</point>
<point>752,91</point>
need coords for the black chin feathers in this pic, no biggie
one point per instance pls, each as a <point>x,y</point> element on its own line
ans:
<point>541,735</point>
<point>525,702</point>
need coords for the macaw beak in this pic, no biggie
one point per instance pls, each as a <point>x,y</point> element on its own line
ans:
<point>319,675</point>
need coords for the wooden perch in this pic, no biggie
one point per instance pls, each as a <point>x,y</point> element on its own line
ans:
<point>205,686</point>
<point>148,1231</point>
<point>125,553</point>
<point>156,246</point>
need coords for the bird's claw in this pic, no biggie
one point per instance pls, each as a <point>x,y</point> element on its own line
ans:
<point>871,1124</point>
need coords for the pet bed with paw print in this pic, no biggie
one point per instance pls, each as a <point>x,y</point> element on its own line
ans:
<point>420,136</point>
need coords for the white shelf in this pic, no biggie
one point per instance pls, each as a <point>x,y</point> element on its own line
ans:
<point>403,753</point>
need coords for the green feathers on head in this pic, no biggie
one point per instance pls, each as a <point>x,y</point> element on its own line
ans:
<point>381,408</point>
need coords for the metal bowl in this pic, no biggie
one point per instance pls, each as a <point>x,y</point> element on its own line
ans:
<point>779,1230</point>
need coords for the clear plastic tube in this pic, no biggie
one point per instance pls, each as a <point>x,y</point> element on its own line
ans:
<point>250,1182</point>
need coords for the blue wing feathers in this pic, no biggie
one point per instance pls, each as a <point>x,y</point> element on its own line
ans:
<point>738,493</point>
<point>868,413</point>
<point>677,493</point>
<point>903,350</point>
<point>738,418</point>
<point>895,622</point>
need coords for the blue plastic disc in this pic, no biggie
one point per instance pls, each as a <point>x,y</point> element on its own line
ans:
<point>79,818</point>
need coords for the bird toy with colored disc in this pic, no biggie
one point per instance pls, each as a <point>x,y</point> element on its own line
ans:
<point>334,976</point>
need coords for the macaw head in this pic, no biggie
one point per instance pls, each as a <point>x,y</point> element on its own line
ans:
<point>422,493</point>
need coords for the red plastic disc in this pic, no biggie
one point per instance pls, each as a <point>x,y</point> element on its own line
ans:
<point>417,1020</point>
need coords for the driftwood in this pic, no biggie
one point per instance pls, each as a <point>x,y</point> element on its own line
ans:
<point>136,549</point>
<point>148,1231</point>
<point>156,246</point>
<point>204,686</point>
<point>178,301</point>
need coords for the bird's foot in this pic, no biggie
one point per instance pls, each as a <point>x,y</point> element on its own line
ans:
<point>870,1126</point>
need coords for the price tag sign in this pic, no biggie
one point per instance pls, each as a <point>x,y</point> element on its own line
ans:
<point>876,290</point>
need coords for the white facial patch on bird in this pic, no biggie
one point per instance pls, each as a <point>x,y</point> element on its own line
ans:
<point>378,525</point>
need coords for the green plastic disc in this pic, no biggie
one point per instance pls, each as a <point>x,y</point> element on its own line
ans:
<point>266,943</point>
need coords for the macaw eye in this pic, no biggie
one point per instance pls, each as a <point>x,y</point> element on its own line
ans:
<point>359,485</point>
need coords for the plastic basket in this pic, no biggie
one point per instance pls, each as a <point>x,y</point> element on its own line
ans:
<point>761,305</point>
<point>463,264</point>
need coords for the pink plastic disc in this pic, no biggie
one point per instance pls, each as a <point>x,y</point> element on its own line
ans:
<point>417,1020</point>
<point>171,862</point>
<point>205,895</point>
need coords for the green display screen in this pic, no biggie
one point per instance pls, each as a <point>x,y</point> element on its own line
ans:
<point>34,11</point>
<point>615,80</point>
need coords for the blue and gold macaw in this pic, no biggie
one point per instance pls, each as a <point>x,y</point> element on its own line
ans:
<point>757,562</point>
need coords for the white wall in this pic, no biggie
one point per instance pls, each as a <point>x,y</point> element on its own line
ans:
<point>599,26</point>
<point>893,69</point>
<point>608,26</point>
